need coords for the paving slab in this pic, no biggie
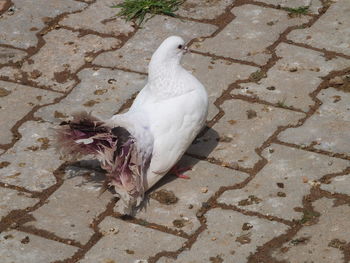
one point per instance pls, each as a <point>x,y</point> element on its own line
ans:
<point>216,75</point>
<point>281,185</point>
<point>225,239</point>
<point>101,91</point>
<point>250,33</point>
<point>323,242</point>
<point>338,184</point>
<point>101,18</point>
<point>297,74</point>
<point>314,5</point>
<point>71,209</point>
<point>199,9</point>
<point>19,27</point>
<point>11,73</point>
<point>17,246</point>
<point>11,96</point>
<point>328,128</point>
<point>13,200</point>
<point>136,53</point>
<point>141,243</point>
<point>205,180</point>
<point>12,55</point>
<point>331,31</point>
<point>64,53</point>
<point>30,163</point>
<point>244,127</point>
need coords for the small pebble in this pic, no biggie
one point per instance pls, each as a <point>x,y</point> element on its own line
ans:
<point>89,59</point>
<point>247,226</point>
<point>281,194</point>
<point>204,190</point>
<point>336,81</point>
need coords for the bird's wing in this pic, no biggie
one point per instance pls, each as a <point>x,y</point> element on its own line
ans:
<point>174,124</point>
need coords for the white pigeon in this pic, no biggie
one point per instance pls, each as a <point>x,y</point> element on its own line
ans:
<point>139,147</point>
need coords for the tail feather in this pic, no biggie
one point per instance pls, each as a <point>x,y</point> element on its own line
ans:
<point>84,135</point>
<point>115,148</point>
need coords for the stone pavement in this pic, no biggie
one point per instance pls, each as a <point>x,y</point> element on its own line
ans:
<point>271,171</point>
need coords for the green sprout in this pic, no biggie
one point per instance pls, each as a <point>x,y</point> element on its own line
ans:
<point>301,10</point>
<point>137,10</point>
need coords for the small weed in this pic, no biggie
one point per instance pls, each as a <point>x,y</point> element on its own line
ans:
<point>257,75</point>
<point>308,216</point>
<point>281,103</point>
<point>138,9</point>
<point>301,10</point>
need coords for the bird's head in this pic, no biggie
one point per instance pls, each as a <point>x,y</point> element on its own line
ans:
<point>170,51</point>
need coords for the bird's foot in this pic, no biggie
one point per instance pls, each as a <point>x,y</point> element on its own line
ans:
<point>178,171</point>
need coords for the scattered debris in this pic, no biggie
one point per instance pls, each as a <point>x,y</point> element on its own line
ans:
<point>25,240</point>
<point>301,240</point>
<point>314,183</point>
<point>257,75</point>
<point>251,114</point>
<point>4,164</point>
<point>281,103</point>
<point>249,201</point>
<point>336,98</point>
<point>8,236</point>
<point>281,194</point>
<point>59,115</point>
<point>88,59</point>
<point>91,103</point>
<point>216,259</point>
<point>179,223</point>
<point>4,92</point>
<point>100,91</point>
<point>341,83</point>
<point>336,81</point>
<point>129,251</point>
<point>111,231</point>
<point>247,226</point>
<point>225,138</point>
<point>164,197</point>
<point>204,190</point>
<point>336,243</point>
<point>280,185</point>
<point>232,122</point>
<point>244,239</point>
<point>35,74</point>
<point>44,143</point>
<point>308,217</point>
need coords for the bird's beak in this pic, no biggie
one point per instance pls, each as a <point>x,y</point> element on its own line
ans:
<point>185,49</point>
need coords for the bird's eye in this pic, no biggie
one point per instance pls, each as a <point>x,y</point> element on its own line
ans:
<point>180,46</point>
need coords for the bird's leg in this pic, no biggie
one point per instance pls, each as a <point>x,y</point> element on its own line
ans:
<point>178,171</point>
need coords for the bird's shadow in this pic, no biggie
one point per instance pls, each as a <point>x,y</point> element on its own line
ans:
<point>201,147</point>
